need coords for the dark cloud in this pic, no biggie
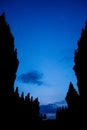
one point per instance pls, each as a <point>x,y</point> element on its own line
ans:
<point>33,77</point>
<point>50,109</point>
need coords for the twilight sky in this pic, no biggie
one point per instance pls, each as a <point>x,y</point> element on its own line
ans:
<point>45,35</point>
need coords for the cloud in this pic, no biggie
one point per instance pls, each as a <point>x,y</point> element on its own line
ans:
<point>33,77</point>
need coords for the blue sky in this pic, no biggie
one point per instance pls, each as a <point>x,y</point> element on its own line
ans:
<point>46,34</point>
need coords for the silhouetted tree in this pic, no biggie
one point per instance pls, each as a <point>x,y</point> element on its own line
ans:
<point>62,117</point>
<point>76,110</point>
<point>8,68</point>
<point>80,60</point>
<point>13,108</point>
<point>8,58</point>
<point>80,69</point>
<point>72,98</point>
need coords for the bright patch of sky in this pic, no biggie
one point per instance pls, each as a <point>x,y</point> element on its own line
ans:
<point>45,35</point>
